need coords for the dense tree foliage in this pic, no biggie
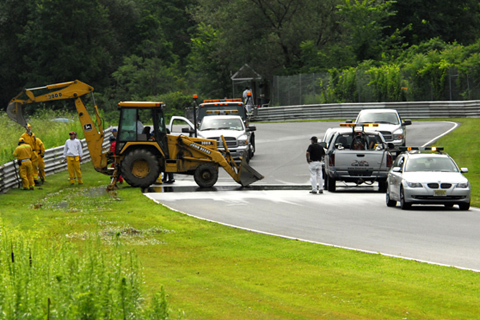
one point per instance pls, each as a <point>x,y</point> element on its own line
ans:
<point>169,49</point>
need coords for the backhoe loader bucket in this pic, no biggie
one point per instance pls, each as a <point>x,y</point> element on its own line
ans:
<point>247,174</point>
<point>15,111</point>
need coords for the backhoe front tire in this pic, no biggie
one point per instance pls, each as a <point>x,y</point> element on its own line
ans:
<point>206,175</point>
<point>140,168</point>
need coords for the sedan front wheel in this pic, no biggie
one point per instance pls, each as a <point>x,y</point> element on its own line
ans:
<point>404,204</point>
<point>390,202</point>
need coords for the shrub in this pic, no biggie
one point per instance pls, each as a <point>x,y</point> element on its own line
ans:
<point>45,279</point>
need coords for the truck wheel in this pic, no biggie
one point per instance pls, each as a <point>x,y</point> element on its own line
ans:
<point>251,151</point>
<point>331,184</point>
<point>140,168</point>
<point>252,142</point>
<point>206,175</point>
<point>382,186</point>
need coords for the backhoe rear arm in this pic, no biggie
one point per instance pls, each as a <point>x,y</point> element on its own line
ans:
<point>64,91</point>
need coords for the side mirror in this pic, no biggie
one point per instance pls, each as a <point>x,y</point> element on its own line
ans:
<point>251,128</point>
<point>397,169</point>
<point>407,122</point>
<point>464,170</point>
<point>390,146</point>
<point>187,130</point>
<point>323,144</point>
<point>348,121</point>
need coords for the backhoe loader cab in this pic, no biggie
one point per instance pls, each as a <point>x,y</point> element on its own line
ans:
<point>141,149</point>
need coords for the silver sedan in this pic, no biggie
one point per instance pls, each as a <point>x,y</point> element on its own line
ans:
<point>424,178</point>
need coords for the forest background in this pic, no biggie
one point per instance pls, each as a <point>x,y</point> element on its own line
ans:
<point>166,50</point>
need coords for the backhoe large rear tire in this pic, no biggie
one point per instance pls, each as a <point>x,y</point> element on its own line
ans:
<point>140,168</point>
<point>206,175</point>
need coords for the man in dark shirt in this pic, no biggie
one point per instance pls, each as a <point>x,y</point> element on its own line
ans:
<point>315,154</point>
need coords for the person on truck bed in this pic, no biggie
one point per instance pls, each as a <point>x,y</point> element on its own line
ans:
<point>358,143</point>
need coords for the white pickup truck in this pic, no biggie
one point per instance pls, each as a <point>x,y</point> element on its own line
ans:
<point>357,157</point>
<point>231,127</point>
<point>390,124</point>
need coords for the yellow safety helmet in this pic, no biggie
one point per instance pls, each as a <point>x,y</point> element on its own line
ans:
<point>29,125</point>
<point>21,140</point>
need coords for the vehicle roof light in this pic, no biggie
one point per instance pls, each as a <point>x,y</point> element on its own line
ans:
<point>364,125</point>
<point>402,148</point>
<point>432,148</point>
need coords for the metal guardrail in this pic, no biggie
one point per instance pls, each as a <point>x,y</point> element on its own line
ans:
<point>413,110</point>
<point>9,173</point>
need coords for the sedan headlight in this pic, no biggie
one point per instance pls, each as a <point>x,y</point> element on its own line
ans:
<point>414,185</point>
<point>463,185</point>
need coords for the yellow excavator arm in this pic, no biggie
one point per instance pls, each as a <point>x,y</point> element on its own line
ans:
<point>72,90</point>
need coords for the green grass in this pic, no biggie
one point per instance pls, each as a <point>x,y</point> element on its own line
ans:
<point>210,271</point>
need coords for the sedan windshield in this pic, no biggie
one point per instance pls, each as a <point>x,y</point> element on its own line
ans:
<point>212,123</point>
<point>431,164</point>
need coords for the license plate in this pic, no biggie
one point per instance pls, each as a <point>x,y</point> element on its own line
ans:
<point>440,193</point>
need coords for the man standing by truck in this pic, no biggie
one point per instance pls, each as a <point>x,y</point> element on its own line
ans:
<point>315,154</point>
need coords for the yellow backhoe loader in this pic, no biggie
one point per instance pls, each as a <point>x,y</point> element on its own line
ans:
<point>142,152</point>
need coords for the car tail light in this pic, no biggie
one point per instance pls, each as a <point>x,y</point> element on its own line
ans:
<point>389,160</point>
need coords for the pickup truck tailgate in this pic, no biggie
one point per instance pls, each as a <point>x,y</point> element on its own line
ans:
<point>360,163</point>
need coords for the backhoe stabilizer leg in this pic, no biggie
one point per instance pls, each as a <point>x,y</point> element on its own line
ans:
<point>113,182</point>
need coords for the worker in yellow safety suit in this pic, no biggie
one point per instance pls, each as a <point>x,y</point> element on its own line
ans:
<point>30,138</point>
<point>41,163</point>
<point>72,153</point>
<point>24,154</point>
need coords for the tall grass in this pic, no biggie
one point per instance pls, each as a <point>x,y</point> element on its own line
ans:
<point>42,279</point>
<point>52,133</point>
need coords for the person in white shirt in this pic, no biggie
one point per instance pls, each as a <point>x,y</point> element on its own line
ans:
<point>72,154</point>
<point>247,99</point>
